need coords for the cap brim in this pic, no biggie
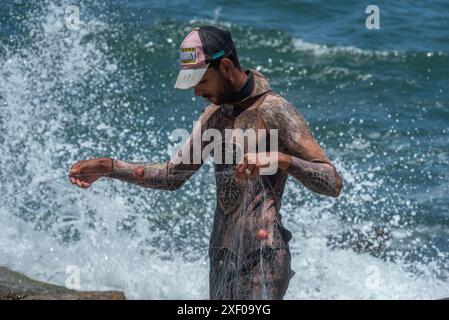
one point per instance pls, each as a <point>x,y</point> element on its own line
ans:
<point>188,78</point>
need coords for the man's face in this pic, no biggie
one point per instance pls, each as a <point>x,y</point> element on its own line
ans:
<point>215,87</point>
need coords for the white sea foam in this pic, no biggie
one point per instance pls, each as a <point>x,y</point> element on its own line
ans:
<point>323,49</point>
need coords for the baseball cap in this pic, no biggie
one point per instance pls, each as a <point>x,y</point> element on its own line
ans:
<point>198,49</point>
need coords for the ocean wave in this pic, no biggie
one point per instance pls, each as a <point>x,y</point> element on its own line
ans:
<point>325,50</point>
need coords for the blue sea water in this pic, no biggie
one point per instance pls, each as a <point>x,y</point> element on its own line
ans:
<point>377,101</point>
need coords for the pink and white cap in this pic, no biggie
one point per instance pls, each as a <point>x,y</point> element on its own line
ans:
<point>193,61</point>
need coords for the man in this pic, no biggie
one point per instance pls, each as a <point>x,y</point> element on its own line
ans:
<point>249,251</point>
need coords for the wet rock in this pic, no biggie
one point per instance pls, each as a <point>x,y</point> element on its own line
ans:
<point>16,286</point>
<point>373,241</point>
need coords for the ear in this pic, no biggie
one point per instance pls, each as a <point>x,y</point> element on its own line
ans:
<point>227,68</point>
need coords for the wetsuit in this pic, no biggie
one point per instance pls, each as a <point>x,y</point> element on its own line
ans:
<point>243,266</point>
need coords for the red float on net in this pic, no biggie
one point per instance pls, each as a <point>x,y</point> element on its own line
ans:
<point>262,234</point>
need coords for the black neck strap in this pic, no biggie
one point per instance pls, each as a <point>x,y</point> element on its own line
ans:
<point>245,91</point>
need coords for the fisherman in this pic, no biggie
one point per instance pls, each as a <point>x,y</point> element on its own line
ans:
<point>249,251</point>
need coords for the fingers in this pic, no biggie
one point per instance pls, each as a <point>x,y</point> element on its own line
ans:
<point>74,174</point>
<point>249,171</point>
<point>75,169</point>
<point>246,170</point>
<point>240,171</point>
<point>79,183</point>
<point>85,184</point>
<point>254,171</point>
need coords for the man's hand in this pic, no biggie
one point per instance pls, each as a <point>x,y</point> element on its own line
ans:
<point>84,173</point>
<point>253,163</point>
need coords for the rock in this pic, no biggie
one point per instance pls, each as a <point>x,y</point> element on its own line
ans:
<point>373,241</point>
<point>16,286</point>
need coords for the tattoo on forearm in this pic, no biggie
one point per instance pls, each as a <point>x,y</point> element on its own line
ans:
<point>310,164</point>
<point>318,177</point>
<point>165,176</point>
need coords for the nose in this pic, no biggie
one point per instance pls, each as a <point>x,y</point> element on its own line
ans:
<point>197,90</point>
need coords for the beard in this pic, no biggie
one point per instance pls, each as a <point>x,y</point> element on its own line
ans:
<point>226,92</point>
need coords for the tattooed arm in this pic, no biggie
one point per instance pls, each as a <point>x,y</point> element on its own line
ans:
<point>319,177</point>
<point>308,162</point>
<point>172,174</point>
<point>166,176</point>
<point>169,175</point>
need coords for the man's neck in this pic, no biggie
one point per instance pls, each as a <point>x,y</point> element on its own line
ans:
<point>240,98</point>
<point>245,89</point>
<point>240,80</point>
